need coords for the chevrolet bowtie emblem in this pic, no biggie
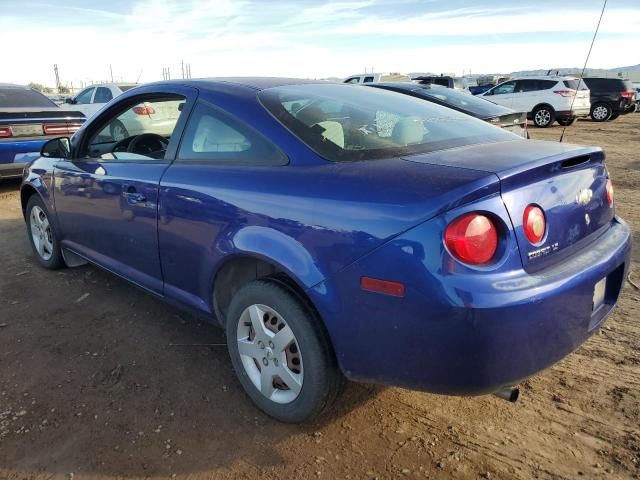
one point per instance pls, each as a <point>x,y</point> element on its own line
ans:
<point>584,196</point>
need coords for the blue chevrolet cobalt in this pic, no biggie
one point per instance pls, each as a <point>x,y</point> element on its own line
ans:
<point>339,231</point>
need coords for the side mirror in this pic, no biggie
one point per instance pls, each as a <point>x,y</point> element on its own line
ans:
<point>70,101</point>
<point>57,148</point>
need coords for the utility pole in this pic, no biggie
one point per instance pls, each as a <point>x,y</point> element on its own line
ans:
<point>55,70</point>
<point>111,72</point>
<point>182,67</point>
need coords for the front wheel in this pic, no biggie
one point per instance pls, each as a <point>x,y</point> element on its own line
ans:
<point>601,112</point>
<point>280,352</point>
<point>543,116</point>
<point>42,235</point>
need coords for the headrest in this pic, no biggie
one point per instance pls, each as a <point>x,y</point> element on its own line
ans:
<point>408,131</point>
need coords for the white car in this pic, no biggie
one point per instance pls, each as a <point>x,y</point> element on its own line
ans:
<point>377,77</point>
<point>93,98</point>
<point>143,118</point>
<point>545,99</point>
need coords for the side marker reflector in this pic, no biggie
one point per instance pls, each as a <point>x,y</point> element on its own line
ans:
<point>395,289</point>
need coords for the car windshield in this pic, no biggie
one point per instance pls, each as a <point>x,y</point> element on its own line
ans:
<point>23,98</point>
<point>350,122</point>
<point>478,107</point>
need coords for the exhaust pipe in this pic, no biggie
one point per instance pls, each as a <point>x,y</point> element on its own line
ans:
<point>510,394</point>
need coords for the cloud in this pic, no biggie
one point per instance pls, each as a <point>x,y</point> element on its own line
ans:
<point>304,38</point>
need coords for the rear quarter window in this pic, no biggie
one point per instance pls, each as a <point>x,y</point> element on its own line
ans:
<point>213,136</point>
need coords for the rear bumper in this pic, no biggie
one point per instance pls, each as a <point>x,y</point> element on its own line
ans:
<point>15,154</point>
<point>575,113</point>
<point>454,334</point>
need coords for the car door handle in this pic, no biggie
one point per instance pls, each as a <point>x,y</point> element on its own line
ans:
<point>131,195</point>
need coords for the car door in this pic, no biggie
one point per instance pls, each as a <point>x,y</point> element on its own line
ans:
<point>82,102</point>
<point>106,195</point>
<point>502,94</point>
<point>203,196</point>
<point>526,95</point>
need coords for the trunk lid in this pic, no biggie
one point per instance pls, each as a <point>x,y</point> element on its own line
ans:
<point>567,181</point>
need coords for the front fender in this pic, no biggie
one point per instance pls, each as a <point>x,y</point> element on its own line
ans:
<point>38,178</point>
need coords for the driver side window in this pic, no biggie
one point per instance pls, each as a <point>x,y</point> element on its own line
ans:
<point>142,132</point>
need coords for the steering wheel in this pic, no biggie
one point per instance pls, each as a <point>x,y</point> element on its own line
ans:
<point>143,144</point>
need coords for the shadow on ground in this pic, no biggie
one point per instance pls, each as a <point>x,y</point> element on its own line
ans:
<point>101,378</point>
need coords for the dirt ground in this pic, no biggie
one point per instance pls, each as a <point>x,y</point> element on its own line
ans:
<point>98,379</point>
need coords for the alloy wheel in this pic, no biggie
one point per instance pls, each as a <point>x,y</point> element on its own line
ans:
<point>41,233</point>
<point>270,354</point>
<point>600,112</point>
<point>542,117</point>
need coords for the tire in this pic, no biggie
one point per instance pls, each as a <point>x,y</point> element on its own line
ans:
<point>601,112</point>
<point>294,390</point>
<point>118,131</point>
<point>42,235</point>
<point>614,116</point>
<point>543,116</point>
<point>565,122</point>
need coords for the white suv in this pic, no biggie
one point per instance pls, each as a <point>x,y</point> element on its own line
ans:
<point>544,99</point>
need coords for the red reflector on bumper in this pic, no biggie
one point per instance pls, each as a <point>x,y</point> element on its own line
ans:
<point>395,289</point>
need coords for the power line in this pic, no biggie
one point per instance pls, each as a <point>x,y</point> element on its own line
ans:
<point>595,34</point>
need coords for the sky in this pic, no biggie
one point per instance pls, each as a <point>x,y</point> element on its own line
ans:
<point>306,38</point>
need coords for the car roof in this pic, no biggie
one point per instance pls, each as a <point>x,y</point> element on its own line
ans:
<point>13,85</point>
<point>557,78</point>
<point>254,83</point>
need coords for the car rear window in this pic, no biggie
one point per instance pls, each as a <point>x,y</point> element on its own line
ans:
<point>349,122</point>
<point>124,88</point>
<point>478,107</point>
<point>573,84</point>
<point>26,98</point>
<point>608,84</point>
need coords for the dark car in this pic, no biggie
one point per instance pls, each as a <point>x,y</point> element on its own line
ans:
<point>457,83</point>
<point>497,115</point>
<point>610,98</point>
<point>340,231</point>
<point>28,119</point>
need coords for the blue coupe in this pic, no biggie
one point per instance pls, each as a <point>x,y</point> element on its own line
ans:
<point>338,231</point>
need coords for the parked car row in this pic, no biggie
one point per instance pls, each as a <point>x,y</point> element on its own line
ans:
<point>545,99</point>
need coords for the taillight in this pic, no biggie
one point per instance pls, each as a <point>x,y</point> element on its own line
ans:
<point>144,110</point>
<point>609,192</point>
<point>534,224</point>
<point>628,94</point>
<point>5,132</point>
<point>60,128</point>
<point>472,238</point>
<point>565,93</point>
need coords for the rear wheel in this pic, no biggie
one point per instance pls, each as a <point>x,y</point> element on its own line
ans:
<point>614,116</point>
<point>543,116</point>
<point>601,112</point>
<point>565,122</point>
<point>42,235</point>
<point>280,352</point>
